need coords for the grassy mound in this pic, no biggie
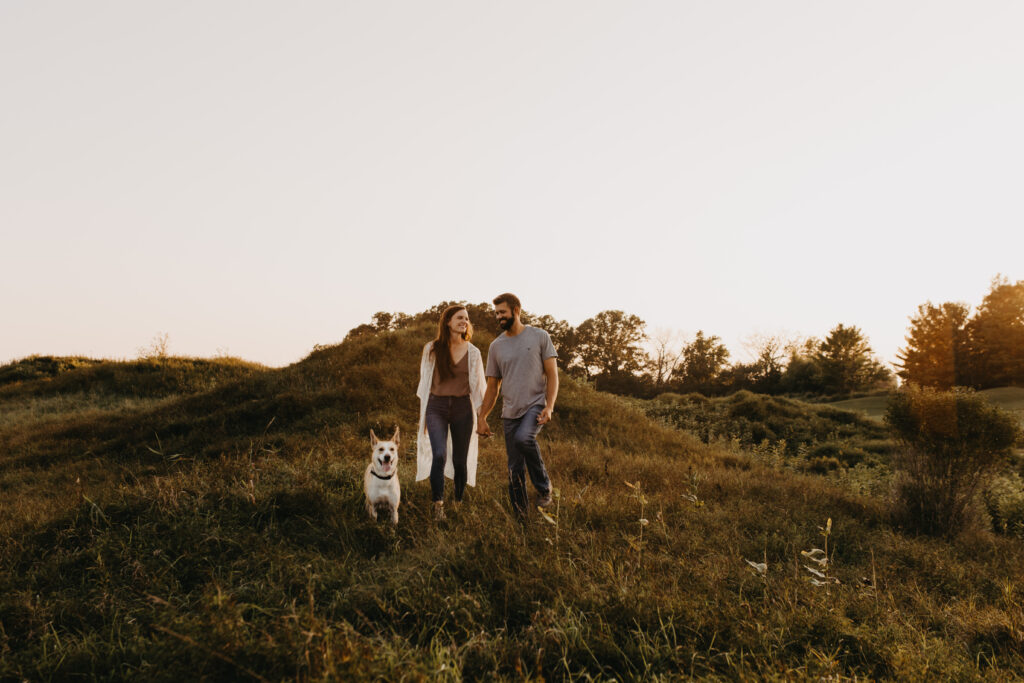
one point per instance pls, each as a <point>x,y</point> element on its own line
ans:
<point>809,436</point>
<point>216,531</point>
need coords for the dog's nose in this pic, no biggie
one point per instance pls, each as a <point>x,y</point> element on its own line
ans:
<point>387,458</point>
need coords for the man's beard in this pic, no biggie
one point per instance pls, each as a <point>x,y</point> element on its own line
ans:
<point>506,323</point>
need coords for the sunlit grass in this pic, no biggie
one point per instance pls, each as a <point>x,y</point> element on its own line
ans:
<point>221,534</point>
<point>59,407</point>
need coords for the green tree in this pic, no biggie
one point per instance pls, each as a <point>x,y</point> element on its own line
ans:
<point>563,336</point>
<point>803,373</point>
<point>704,360</point>
<point>936,350</point>
<point>609,344</point>
<point>764,375</point>
<point>847,363</point>
<point>996,337</point>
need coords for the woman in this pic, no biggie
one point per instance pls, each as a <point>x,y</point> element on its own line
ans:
<point>451,390</point>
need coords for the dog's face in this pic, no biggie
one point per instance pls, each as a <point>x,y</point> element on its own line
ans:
<point>384,453</point>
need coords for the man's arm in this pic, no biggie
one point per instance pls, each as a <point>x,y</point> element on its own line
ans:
<point>490,396</point>
<point>551,393</point>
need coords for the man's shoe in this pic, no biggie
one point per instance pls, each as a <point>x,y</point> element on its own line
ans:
<point>439,510</point>
<point>545,501</point>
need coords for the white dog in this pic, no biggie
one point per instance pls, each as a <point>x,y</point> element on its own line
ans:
<point>381,480</point>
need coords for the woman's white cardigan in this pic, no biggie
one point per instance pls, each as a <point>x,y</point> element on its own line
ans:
<point>477,386</point>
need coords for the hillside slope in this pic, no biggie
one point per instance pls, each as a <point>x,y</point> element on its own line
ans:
<point>214,529</point>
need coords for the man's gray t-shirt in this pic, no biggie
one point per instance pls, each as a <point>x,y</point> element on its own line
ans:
<point>519,363</point>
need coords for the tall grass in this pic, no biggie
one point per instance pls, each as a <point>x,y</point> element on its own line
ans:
<point>248,554</point>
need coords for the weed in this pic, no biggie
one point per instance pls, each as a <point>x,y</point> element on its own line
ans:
<point>637,542</point>
<point>693,482</point>
<point>820,574</point>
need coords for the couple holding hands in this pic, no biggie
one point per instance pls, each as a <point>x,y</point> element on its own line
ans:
<point>457,394</point>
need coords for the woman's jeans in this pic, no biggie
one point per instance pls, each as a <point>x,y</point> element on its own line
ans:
<point>524,456</point>
<point>444,413</point>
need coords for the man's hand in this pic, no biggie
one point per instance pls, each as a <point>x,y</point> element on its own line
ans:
<point>490,396</point>
<point>545,416</point>
<point>482,428</point>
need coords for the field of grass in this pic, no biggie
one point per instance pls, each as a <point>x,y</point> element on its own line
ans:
<point>1007,398</point>
<point>873,407</point>
<point>176,519</point>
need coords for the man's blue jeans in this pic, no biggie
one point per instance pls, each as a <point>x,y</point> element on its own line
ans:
<point>444,413</point>
<point>524,456</point>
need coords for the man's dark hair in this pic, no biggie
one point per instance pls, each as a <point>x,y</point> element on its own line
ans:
<point>510,299</point>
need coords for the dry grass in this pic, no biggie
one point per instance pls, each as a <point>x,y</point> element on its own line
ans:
<point>234,549</point>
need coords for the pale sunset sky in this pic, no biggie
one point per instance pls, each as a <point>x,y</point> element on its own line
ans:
<point>254,178</point>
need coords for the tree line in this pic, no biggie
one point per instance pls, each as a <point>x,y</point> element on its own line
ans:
<point>613,350</point>
<point>947,346</point>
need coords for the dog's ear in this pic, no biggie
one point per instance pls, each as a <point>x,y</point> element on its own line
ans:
<point>395,437</point>
<point>373,439</point>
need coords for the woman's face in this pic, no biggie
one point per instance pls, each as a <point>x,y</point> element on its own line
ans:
<point>459,323</point>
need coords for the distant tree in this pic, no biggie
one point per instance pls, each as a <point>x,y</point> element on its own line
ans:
<point>937,346</point>
<point>996,337</point>
<point>664,358</point>
<point>482,317</point>
<point>704,360</point>
<point>847,363</point>
<point>764,374</point>
<point>625,384</point>
<point>381,321</point>
<point>803,372</point>
<point>609,344</point>
<point>563,336</point>
<point>361,330</point>
<point>736,377</point>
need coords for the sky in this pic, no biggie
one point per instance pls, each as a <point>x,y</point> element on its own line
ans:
<point>255,178</point>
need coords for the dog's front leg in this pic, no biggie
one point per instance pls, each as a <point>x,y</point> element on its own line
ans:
<point>394,515</point>
<point>372,509</point>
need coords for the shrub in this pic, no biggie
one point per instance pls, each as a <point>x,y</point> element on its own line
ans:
<point>842,453</point>
<point>1004,501</point>
<point>822,464</point>
<point>950,440</point>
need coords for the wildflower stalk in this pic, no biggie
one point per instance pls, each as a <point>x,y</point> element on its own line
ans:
<point>642,500</point>
<point>819,576</point>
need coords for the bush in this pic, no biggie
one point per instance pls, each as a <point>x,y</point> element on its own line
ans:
<point>845,454</point>
<point>753,418</point>
<point>1004,501</point>
<point>950,441</point>
<point>822,464</point>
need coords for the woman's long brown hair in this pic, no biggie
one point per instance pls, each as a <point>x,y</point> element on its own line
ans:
<point>442,344</point>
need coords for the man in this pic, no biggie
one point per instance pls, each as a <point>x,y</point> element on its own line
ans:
<point>522,363</point>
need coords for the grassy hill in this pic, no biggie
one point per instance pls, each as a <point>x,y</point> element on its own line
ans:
<point>782,430</point>
<point>173,519</point>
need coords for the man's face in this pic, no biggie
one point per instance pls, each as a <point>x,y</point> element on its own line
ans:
<point>504,315</point>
